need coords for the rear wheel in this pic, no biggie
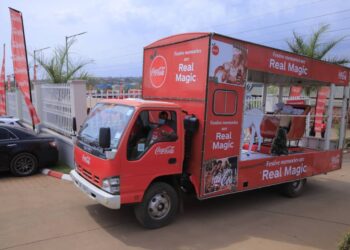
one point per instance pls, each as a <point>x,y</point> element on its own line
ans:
<point>159,206</point>
<point>24,164</point>
<point>293,189</point>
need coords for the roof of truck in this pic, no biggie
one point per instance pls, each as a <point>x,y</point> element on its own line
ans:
<point>177,38</point>
<point>137,102</point>
<point>319,71</point>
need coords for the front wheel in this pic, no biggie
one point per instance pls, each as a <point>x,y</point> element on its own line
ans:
<point>159,206</point>
<point>293,189</point>
<point>24,164</point>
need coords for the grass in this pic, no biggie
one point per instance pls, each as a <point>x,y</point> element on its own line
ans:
<point>345,244</point>
<point>61,167</point>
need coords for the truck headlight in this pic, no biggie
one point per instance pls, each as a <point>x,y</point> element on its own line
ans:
<point>111,185</point>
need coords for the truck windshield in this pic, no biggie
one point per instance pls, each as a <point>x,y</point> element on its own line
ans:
<point>106,115</point>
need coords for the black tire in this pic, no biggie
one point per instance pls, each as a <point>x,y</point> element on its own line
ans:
<point>24,164</point>
<point>159,206</point>
<point>294,188</point>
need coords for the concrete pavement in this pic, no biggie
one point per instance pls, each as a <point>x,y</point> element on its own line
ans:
<point>47,213</point>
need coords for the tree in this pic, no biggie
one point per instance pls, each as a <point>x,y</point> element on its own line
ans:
<point>315,47</point>
<point>55,67</point>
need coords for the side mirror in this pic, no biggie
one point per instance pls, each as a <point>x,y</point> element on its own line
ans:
<point>74,125</point>
<point>104,138</point>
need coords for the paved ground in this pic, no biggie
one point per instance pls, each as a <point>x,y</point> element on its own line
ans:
<point>41,212</point>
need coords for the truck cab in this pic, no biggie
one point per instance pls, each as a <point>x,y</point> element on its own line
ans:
<point>134,143</point>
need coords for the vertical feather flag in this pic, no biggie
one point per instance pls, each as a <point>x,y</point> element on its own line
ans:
<point>20,63</point>
<point>2,87</point>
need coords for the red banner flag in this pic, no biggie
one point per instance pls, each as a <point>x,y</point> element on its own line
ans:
<point>2,87</point>
<point>322,95</point>
<point>20,63</point>
<point>295,91</point>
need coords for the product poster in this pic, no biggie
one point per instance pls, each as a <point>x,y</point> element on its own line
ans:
<point>220,175</point>
<point>228,62</point>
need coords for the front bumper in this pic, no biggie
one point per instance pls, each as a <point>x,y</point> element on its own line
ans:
<point>106,199</point>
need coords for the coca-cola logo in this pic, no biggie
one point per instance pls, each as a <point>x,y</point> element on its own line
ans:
<point>215,50</point>
<point>342,75</point>
<point>158,71</point>
<point>335,160</point>
<point>86,159</point>
<point>165,151</point>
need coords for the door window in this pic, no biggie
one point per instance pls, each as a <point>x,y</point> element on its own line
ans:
<point>6,135</point>
<point>151,126</point>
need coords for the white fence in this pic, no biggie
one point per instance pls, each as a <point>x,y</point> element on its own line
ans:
<point>94,96</point>
<point>57,104</point>
<point>11,103</point>
<point>53,104</point>
<point>56,108</point>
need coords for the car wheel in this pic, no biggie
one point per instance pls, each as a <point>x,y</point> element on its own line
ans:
<point>293,189</point>
<point>24,164</point>
<point>159,206</point>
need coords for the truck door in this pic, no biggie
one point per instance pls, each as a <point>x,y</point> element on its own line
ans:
<point>154,148</point>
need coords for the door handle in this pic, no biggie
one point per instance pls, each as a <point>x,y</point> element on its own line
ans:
<point>11,145</point>
<point>172,161</point>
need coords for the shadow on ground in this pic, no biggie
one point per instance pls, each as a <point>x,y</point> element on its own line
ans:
<point>221,222</point>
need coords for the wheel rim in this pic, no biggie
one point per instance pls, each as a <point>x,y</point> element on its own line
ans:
<point>159,206</point>
<point>24,164</point>
<point>296,185</point>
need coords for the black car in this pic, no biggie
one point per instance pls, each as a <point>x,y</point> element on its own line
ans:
<point>23,152</point>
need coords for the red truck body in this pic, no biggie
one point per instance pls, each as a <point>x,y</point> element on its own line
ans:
<point>192,74</point>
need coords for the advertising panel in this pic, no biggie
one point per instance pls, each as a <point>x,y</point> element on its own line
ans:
<point>275,61</point>
<point>177,71</point>
<point>227,74</point>
<point>274,170</point>
<point>322,95</point>
<point>228,62</point>
<point>222,138</point>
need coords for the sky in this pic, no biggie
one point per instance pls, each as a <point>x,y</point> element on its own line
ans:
<point>117,30</point>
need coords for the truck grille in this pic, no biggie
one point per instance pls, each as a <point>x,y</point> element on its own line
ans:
<point>88,175</point>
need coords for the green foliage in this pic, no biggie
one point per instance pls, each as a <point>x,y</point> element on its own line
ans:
<point>56,67</point>
<point>315,47</point>
<point>61,167</point>
<point>345,244</point>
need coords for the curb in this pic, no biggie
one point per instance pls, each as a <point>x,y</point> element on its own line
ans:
<point>58,175</point>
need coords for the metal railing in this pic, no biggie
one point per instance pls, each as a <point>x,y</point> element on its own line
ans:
<point>11,104</point>
<point>93,97</point>
<point>55,103</point>
<point>56,107</point>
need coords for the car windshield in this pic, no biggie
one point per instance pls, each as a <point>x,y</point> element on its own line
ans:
<point>106,115</point>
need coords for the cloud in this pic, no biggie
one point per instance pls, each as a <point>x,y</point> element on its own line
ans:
<point>118,30</point>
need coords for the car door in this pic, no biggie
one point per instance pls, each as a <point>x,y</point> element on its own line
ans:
<point>8,143</point>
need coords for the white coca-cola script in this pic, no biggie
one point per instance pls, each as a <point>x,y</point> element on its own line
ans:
<point>165,151</point>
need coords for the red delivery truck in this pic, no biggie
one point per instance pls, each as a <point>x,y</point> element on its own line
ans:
<point>186,134</point>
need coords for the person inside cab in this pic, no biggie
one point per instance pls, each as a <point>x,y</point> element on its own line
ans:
<point>146,133</point>
<point>163,131</point>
